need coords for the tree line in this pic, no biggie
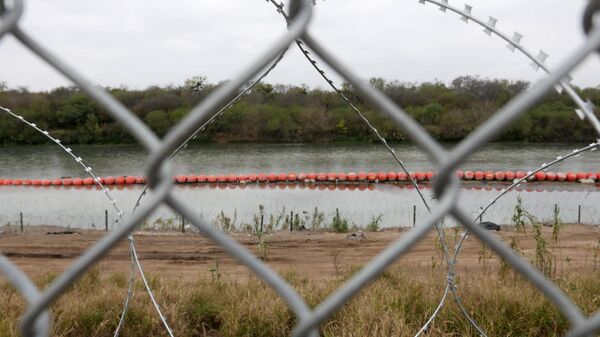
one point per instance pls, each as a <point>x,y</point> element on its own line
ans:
<point>290,113</point>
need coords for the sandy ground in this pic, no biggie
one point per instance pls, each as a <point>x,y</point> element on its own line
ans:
<point>313,254</point>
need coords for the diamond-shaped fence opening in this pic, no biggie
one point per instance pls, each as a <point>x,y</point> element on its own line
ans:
<point>36,322</point>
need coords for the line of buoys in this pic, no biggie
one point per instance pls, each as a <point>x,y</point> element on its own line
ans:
<point>360,186</point>
<point>321,177</point>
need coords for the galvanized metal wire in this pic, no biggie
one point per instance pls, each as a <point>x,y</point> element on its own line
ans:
<point>36,321</point>
<point>135,262</point>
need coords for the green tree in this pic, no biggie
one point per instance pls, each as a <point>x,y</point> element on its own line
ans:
<point>90,131</point>
<point>158,121</point>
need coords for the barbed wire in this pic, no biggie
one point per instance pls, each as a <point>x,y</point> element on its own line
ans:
<point>35,321</point>
<point>585,111</point>
<point>134,258</point>
<point>382,140</point>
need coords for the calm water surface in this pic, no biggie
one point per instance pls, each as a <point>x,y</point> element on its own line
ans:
<point>81,207</point>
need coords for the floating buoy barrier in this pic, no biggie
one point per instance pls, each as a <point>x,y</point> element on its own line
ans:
<point>318,178</point>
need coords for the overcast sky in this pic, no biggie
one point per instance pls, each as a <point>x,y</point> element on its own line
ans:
<point>138,43</point>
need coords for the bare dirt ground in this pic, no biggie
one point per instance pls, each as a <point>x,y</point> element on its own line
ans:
<point>313,254</point>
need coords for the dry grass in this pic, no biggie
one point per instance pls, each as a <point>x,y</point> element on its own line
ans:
<point>397,304</point>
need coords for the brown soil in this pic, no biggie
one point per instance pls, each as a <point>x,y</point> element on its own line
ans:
<point>314,254</point>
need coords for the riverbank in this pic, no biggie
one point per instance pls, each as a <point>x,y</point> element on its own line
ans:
<point>311,253</point>
<point>204,292</point>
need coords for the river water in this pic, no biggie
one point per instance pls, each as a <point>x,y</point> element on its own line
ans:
<point>84,207</point>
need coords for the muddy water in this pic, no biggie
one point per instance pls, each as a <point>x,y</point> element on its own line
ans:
<point>81,207</point>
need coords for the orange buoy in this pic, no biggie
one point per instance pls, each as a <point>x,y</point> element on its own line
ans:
<point>489,175</point>
<point>331,176</point>
<point>77,181</point>
<point>371,176</point>
<point>35,182</point>
<point>391,176</point>
<point>381,176</point>
<point>7,182</point>
<point>109,180</point>
<point>243,177</point>
<point>420,176</point>
<point>311,176</point>
<point>130,180</point>
<point>479,175</point>
<point>67,182</point>
<point>222,179</point>
<point>571,177</point>
<point>540,176</point>
<point>45,182</point>
<point>561,176</point>
<point>550,176</point>
<point>56,182</point>
<point>460,174</point>
<point>272,177</point>
<point>232,178</point>
<point>342,176</point>
<point>520,175</point>
<point>262,177</point>
<point>302,176</point>
<point>201,178</point>
<point>429,175</point>
<point>140,180</point>
<point>88,181</point>
<point>252,177</point>
<point>581,175</point>
<point>17,182</point>
<point>510,175</point>
<point>499,175</point>
<point>212,178</point>
<point>179,179</point>
<point>352,176</point>
<point>282,177</point>
<point>362,176</point>
<point>401,176</point>
<point>469,175</point>
<point>27,182</point>
<point>291,176</point>
<point>120,180</point>
<point>592,176</point>
<point>321,176</point>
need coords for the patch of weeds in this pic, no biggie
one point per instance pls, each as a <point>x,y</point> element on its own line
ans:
<point>203,316</point>
<point>118,279</point>
<point>339,224</point>
<point>373,226</point>
<point>317,219</point>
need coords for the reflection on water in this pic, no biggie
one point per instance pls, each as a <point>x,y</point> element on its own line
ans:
<point>81,207</point>
<point>84,206</point>
<point>51,162</point>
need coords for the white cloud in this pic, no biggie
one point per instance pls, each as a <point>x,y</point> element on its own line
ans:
<point>140,43</point>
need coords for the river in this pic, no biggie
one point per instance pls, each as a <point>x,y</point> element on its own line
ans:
<point>84,208</point>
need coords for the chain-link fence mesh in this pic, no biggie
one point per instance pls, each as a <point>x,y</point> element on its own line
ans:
<point>36,320</point>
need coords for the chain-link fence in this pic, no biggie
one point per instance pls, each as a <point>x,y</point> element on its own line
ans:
<point>297,16</point>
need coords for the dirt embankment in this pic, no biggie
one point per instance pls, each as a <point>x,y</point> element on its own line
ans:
<point>314,254</point>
